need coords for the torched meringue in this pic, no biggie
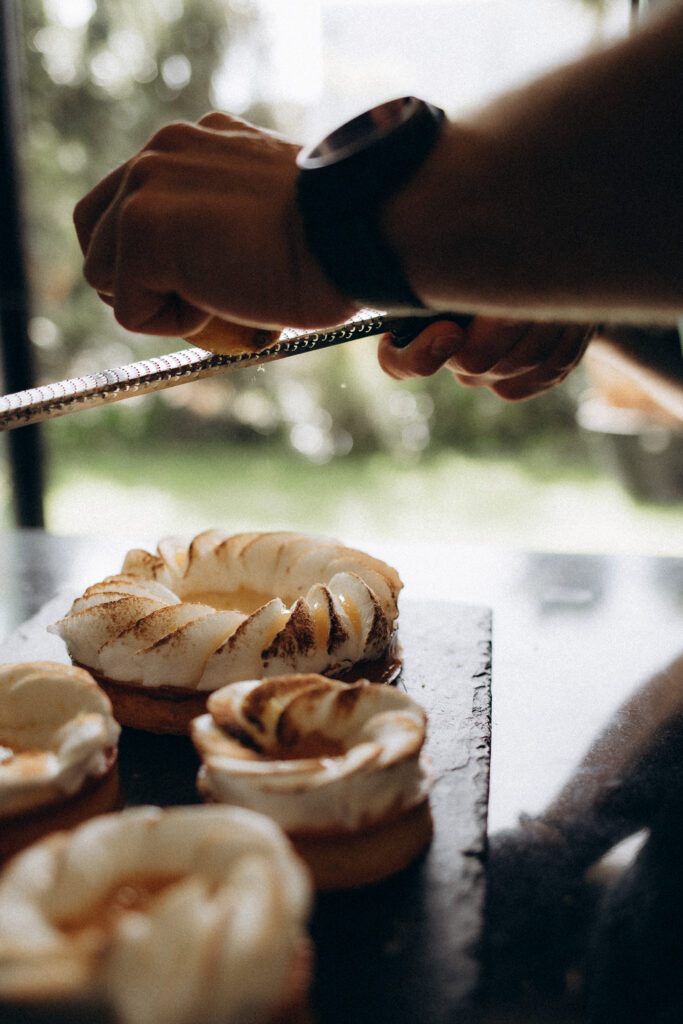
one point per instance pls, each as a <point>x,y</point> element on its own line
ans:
<point>161,916</point>
<point>226,608</point>
<point>57,732</point>
<point>321,757</point>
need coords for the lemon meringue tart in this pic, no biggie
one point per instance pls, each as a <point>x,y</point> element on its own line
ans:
<point>151,916</point>
<point>176,625</point>
<point>58,751</point>
<point>339,766</point>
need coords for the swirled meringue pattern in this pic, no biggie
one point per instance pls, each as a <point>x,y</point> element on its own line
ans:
<point>337,765</point>
<point>58,738</point>
<point>160,916</point>
<point>226,608</point>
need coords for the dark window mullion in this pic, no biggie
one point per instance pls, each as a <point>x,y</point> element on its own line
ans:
<point>24,444</point>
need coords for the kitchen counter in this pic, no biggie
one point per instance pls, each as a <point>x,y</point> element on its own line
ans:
<point>575,638</point>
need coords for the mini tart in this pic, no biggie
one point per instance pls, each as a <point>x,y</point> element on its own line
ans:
<point>58,751</point>
<point>340,767</point>
<point>159,917</point>
<point>176,625</point>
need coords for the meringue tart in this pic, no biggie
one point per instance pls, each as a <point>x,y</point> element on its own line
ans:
<point>151,916</point>
<point>340,767</point>
<point>58,751</point>
<point>176,625</point>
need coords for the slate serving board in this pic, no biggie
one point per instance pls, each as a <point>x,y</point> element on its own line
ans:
<point>405,950</point>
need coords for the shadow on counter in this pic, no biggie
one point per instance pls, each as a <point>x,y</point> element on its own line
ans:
<point>574,932</point>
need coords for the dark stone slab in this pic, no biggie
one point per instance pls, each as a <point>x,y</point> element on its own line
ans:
<point>405,950</point>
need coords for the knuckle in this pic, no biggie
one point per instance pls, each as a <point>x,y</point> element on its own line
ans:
<point>474,364</point>
<point>95,275</point>
<point>79,217</point>
<point>134,215</point>
<point>514,366</point>
<point>133,306</point>
<point>215,120</point>
<point>146,166</point>
<point>171,136</point>
<point>124,317</point>
<point>466,381</point>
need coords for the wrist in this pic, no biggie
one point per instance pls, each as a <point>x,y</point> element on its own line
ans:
<point>436,225</point>
<point>313,286</point>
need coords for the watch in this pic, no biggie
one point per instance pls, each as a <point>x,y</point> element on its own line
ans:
<point>342,185</point>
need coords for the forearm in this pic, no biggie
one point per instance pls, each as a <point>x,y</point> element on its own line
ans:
<point>563,200</point>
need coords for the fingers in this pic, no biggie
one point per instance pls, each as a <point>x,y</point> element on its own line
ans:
<point>90,208</point>
<point>542,357</point>
<point>203,222</point>
<point>473,352</point>
<point>146,244</point>
<point>514,359</point>
<point>219,121</point>
<point>567,355</point>
<point>128,262</point>
<point>97,214</point>
<point>490,343</point>
<point>124,228</point>
<point>119,213</point>
<point>429,351</point>
<point>503,349</point>
<point>216,120</point>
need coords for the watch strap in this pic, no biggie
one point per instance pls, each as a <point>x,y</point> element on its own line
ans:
<point>341,191</point>
<point>362,263</point>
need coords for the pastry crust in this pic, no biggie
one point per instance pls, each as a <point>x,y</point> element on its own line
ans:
<point>159,917</point>
<point>339,766</point>
<point>166,710</point>
<point>354,859</point>
<point>98,796</point>
<point>58,751</point>
<point>176,625</point>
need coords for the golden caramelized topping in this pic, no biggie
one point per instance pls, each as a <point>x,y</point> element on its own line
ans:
<point>314,753</point>
<point>56,731</point>
<point>159,916</point>
<point>226,608</point>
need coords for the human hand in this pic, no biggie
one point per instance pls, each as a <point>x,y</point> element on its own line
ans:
<point>203,223</point>
<point>514,359</point>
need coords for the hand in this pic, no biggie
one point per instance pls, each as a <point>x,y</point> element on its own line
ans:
<point>203,223</point>
<point>514,359</point>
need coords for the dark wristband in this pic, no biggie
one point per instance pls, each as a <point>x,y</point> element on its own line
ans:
<point>342,186</point>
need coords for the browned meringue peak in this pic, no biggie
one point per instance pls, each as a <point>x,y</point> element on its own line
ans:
<point>225,608</point>
<point>56,732</point>
<point>164,916</point>
<point>315,754</point>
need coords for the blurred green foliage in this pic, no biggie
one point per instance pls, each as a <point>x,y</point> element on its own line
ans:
<point>101,76</point>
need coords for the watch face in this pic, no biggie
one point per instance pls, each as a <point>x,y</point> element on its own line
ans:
<point>360,132</point>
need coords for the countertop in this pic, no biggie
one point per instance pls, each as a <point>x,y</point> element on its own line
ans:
<point>576,641</point>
